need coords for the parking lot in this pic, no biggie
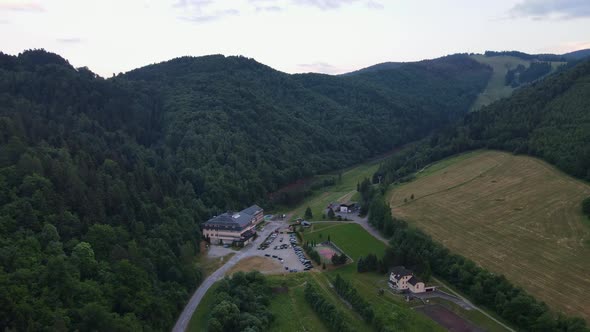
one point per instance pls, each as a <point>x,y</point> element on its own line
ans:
<point>284,249</point>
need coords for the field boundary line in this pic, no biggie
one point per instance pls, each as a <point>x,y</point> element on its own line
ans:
<point>455,186</point>
<point>457,294</point>
<point>474,306</point>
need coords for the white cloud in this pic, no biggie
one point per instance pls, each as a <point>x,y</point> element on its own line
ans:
<point>201,11</point>
<point>22,6</point>
<point>319,67</point>
<point>542,9</point>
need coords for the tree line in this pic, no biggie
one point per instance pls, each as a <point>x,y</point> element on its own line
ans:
<point>546,119</point>
<point>412,247</point>
<point>241,304</point>
<point>332,317</point>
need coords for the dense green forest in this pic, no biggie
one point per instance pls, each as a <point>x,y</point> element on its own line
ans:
<point>245,129</point>
<point>103,182</point>
<point>522,75</point>
<point>549,119</point>
<point>241,304</point>
<point>97,229</point>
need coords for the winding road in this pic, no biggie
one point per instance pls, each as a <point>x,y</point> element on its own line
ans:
<point>250,250</point>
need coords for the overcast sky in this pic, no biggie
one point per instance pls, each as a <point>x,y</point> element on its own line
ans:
<point>330,36</point>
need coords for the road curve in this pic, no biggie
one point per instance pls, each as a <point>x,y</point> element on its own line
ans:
<point>250,250</point>
<point>365,224</point>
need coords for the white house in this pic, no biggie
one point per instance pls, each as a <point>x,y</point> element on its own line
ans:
<point>402,279</point>
<point>347,207</point>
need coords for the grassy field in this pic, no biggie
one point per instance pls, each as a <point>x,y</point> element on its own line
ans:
<point>351,238</point>
<point>513,215</point>
<point>342,191</point>
<point>496,88</point>
<point>292,313</point>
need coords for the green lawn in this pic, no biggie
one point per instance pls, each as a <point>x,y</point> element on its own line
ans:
<point>351,238</point>
<point>342,191</point>
<point>292,312</point>
<point>200,318</point>
<point>290,309</point>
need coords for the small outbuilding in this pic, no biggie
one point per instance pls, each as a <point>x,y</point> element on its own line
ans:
<point>347,207</point>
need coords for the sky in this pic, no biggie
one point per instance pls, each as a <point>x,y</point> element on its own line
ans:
<point>327,36</point>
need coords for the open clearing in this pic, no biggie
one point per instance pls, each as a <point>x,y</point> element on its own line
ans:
<point>351,238</point>
<point>513,215</point>
<point>496,88</point>
<point>447,318</point>
<point>343,190</point>
<point>257,263</point>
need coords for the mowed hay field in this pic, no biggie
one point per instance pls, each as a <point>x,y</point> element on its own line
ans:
<point>513,215</point>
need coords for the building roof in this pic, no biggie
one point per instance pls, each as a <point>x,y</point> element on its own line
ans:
<point>400,271</point>
<point>348,204</point>
<point>413,281</point>
<point>238,220</point>
<point>252,210</point>
<point>229,221</point>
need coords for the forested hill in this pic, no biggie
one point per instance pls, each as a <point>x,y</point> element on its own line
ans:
<point>244,129</point>
<point>549,119</point>
<point>103,183</point>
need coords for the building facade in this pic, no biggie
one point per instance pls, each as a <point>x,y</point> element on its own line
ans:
<point>402,279</point>
<point>234,228</point>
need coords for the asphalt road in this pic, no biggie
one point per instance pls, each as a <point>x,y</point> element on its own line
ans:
<point>191,306</point>
<point>250,250</point>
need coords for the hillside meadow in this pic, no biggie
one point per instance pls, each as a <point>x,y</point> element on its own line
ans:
<point>513,215</point>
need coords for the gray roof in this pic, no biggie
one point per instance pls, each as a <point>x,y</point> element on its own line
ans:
<point>230,221</point>
<point>238,220</point>
<point>413,281</point>
<point>252,210</point>
<point>400,271</point>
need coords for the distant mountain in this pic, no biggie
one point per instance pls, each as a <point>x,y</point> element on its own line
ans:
<point>512,69</point>
<point>549,119</point>
<point>104,182</point>
<point>577,55</point>
<point>378,67</point>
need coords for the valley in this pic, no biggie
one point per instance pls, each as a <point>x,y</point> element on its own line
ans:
<point>105,184</point>
<point>513,215</point>
<point>356,241</point>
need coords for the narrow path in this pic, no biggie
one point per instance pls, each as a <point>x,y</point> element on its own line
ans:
<point>250,250</point>
<point>365,224</point>
<point>476,308</point>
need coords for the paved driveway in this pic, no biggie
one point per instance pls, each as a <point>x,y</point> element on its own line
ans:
<point>249,250</point>
<point>464,303</point>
